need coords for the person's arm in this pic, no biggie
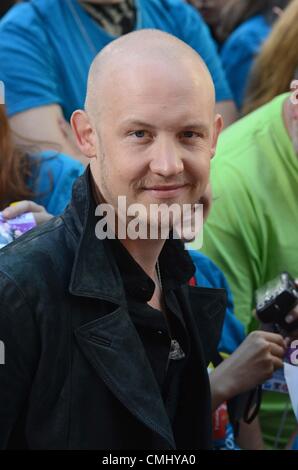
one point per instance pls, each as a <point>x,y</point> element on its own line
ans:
<point>250,436</point>
<point>34,98</point>
<point>251,364</point>
<point>45,128</point>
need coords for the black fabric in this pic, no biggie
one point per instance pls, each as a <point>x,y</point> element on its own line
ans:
<point>115,18</point>
<point>5,5</point>
<point>78,373</point>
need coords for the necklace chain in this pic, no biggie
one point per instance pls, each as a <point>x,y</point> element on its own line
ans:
<point>175,350</point>
<point>158,274</point>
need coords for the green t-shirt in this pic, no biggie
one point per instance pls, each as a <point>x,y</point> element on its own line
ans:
<point>252,231</point>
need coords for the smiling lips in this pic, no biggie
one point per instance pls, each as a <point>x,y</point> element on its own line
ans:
<point>166,191</point>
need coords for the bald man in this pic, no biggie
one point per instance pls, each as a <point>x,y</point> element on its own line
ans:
<point>106,345</point>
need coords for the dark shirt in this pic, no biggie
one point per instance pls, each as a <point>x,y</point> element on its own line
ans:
<point>165,340</point>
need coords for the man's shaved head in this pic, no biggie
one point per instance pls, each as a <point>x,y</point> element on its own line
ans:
<point>126,56</point>
<point>149,121</point>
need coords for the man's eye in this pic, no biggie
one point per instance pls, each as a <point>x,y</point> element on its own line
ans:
<point>139,134</point>
<point>144,136</point>
<point>189,134</point>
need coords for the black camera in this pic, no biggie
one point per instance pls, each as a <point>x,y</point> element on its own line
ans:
<point>276,299</point>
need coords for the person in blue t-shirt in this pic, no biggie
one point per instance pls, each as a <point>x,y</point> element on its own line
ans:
<point>245,26</point>
<point>209,275</point>
<point>47,46</point>
<point>37,182</point>
<point>239,51</point>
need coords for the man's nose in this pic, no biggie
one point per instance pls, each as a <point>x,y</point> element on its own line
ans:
<point>166,158</point>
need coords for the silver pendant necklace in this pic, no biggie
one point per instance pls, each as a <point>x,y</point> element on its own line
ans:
<point>176,352</point>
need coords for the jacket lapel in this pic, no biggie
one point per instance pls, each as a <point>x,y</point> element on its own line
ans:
<point>111,344</point>
<point>208,306</point>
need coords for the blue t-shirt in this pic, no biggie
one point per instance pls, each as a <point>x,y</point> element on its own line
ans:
<point>52,180</point>
<point>239,51</point>
<point>45,54</point>
<point>209,275</point>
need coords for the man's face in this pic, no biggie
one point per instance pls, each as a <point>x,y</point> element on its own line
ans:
<point>155,138</point>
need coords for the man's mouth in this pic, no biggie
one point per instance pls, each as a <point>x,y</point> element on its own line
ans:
<point>166,191</point>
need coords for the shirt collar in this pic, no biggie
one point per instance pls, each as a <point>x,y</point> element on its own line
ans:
<point>175,264</point>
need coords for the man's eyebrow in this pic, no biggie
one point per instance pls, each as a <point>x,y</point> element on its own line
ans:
<point>136,123</point>
<point>194,125</point>
<point>198,126</point>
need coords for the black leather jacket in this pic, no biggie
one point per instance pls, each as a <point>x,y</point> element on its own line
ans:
<point>76,375</point>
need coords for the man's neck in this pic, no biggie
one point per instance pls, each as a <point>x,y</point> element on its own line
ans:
<point>145,253</point>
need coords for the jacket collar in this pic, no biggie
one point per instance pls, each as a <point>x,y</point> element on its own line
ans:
<point>92,256</point>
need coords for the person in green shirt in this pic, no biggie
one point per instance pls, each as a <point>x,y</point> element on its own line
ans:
<point>251,233</point>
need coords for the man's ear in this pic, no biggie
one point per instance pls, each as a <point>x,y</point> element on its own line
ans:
<point>217,128</point>
<point>84,133</point>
